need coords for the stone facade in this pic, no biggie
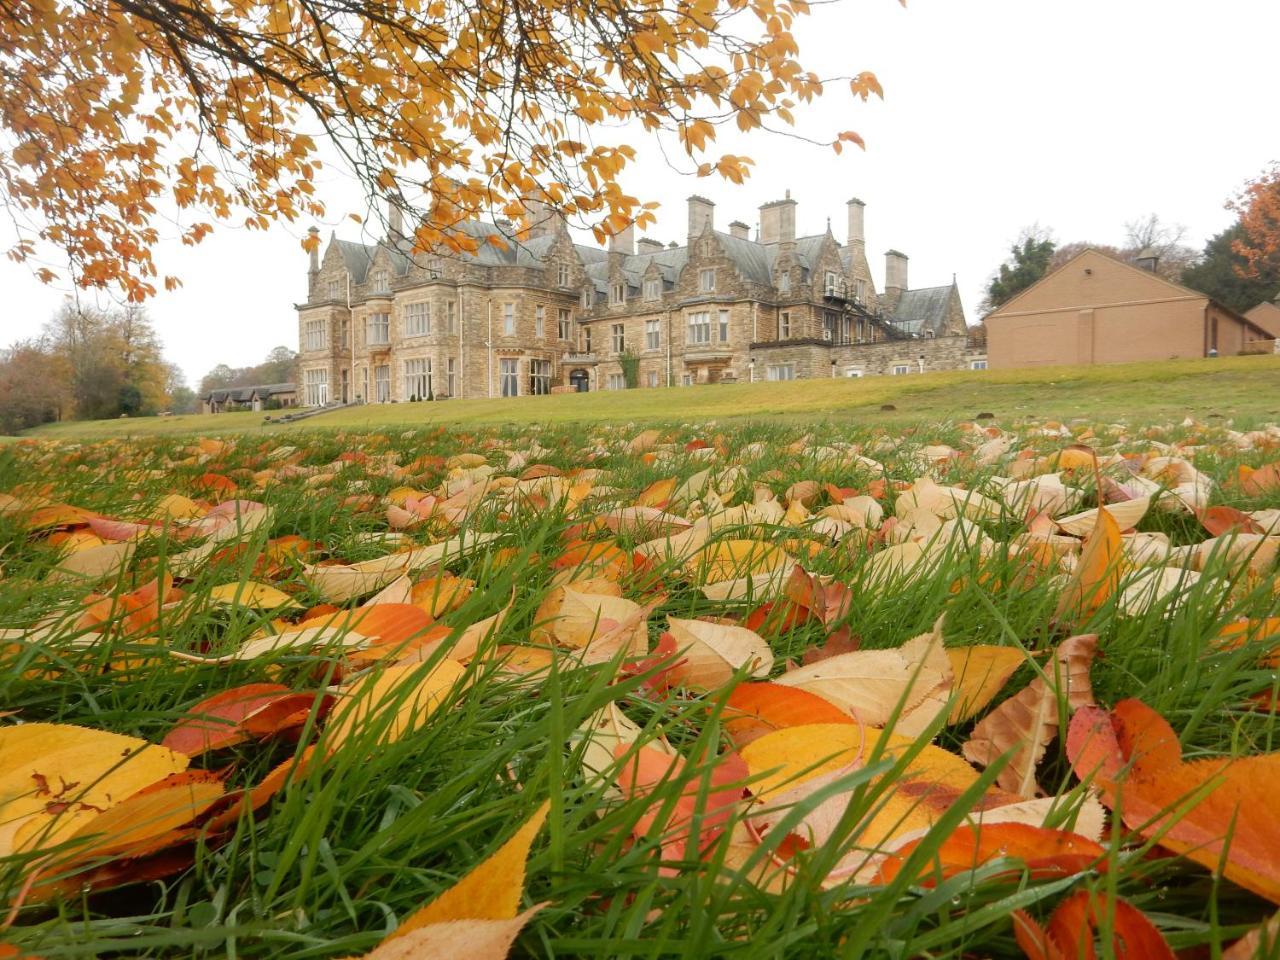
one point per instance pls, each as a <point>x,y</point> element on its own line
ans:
<point>525,317</point>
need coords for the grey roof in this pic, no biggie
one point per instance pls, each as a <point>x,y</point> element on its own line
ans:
<point>245,394</point>
<point>356,257</point>
<point>923,310</point>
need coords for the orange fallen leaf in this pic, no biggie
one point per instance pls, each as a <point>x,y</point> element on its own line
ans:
<point>1045,852</point>
<point>1220,813</point>
<point>1069,935</point>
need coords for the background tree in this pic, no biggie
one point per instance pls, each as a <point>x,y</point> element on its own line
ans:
<point>280,366</point>
<point>1149,234</point>
<point>1226,275</point>
<point>32,386</point>
<point>113,112</point>
<point>1029,260</point>
<point>1259,208</point>
<point>112,361</point>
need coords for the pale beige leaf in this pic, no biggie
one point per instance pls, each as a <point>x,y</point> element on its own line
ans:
<point>712,653</point>
<point>868,683</point>
<point>1027,723</point>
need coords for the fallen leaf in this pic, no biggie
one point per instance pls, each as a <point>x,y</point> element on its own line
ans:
<point>1026,723</point>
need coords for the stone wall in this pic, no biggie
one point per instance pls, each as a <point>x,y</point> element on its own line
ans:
<point>813,358</point>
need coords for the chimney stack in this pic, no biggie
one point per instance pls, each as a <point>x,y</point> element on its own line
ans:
<point>740,230</point>
<point>624,241</point>
<point>1147,259</point>
<point>895,278</point>
<point>857,226</point>
<point>778,221</point>
<point>649,245</point>
<point>539,218</point>
<point>395,221</point>
<point>701,216</point>
<point>315,249</point>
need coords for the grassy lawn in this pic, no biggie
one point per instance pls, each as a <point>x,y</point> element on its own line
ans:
<point>1239,387</point>
<point>521,652</point>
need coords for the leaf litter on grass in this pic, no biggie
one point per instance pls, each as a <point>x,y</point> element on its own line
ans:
<point>847,665</point>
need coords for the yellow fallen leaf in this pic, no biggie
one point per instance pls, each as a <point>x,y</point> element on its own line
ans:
<point>980,673</point>
<point>490,891</point>
<point>56,777</point>
<point>1097,574</point>
<point>250,593</point>
<point>399,697</point>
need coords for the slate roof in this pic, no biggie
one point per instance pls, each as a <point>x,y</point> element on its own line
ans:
<point>246,394</point>
<point>921,311</point>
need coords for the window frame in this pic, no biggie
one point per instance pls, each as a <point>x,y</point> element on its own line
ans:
<point>540,321</point>
<point>508,376</point>
<point>373,322</point>
<point>424,328</point>
<point>509,319</point>
<point>618,337</point>
<point>705,285</point>
<point>653,334</point>
<point>693,324</point>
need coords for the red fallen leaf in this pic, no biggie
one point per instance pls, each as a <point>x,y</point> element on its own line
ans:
<point>1222,520</point>
<point>1265,479</point>
<point>696,445</point>
<point>839,494</point>
<point>754,709</point>
<point>1046,852</point>
<point>236,805</point>
<point>709,799</point>
<point>1133,756</point>
<point>239,714</point>
<point>776,617</point>
<point>840,641</point>
<point>215,484</point>
<point>663,660</point>
<point>1071,931</point>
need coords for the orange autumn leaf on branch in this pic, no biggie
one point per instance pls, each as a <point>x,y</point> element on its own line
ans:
<point>113,115</point>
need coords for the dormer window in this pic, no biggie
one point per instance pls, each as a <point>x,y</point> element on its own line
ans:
<point>618,294</point>
<point>652,289</point>
<point>586,299</point>
<point>707,280</point>
<point>562,275</point>
<point>381,282</point>
<point>784,282</point>
<point>435,267</point>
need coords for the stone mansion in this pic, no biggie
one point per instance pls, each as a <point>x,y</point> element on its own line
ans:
<point>546,314</point>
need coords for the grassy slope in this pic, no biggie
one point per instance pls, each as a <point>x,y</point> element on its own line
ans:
<point>1235,386</point>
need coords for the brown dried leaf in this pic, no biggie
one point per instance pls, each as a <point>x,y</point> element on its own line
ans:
<point>1027,723</point>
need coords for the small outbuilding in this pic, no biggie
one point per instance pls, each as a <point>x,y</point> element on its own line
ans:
<point>1097,309</point>
<point>1267,316</point>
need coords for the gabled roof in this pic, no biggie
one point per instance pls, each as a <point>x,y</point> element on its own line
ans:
<point>1267,316</point>
<point>923,310</point>
<point>1174,289</point>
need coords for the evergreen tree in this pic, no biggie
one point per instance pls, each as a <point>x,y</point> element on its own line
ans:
<point>1220,274</point>
<point>1029,261</point>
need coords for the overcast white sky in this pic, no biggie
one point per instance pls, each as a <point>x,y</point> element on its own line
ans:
<point>997,114</point>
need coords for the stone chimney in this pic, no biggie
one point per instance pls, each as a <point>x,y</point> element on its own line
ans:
<point>701,216</point>
<point>314,234</point>
<point>395,221</point>
<point>778,221</point>
<point>857,226</point>
<point>624,241</point>
<point>539,217</point>
<point>649,245</point>
<point>895,279</point>
<point>740,230</point>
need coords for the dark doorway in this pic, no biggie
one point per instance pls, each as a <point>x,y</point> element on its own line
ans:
<point>580,380</point>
